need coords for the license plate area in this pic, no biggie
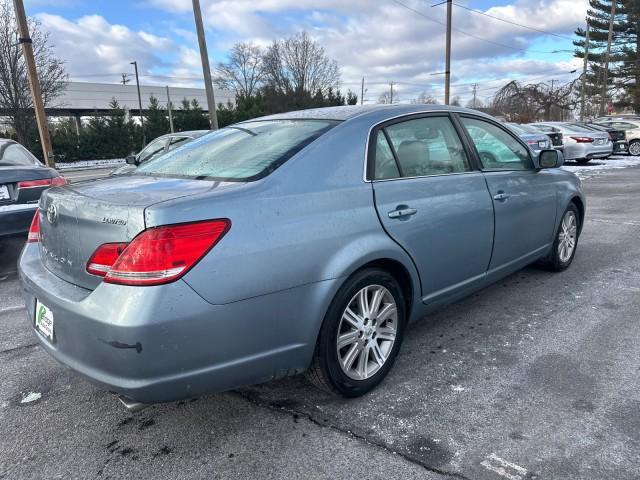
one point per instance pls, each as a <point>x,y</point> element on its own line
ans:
<point>4,192</point>
<point>44,321</point>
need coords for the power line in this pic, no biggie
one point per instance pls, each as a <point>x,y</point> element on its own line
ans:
<point>480,12</point>
<point>504,45</point>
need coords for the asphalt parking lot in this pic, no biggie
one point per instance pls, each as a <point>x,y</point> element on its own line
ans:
<point>536,377</point>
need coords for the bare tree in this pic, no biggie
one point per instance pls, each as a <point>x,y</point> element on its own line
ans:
<point>15,96</point>
<point>425,98</point>
<point>539,101</point>
<point>455,102</point>
<point>244,72</point>
<point>299,64</point>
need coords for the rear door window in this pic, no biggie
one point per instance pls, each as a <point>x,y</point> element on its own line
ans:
<point>241,152</point>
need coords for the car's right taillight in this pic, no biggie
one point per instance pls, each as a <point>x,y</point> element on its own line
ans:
<point>582,139</point>
<point>34,229</point>
<point>158,255</point>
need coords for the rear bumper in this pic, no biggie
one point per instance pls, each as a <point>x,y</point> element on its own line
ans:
<point>574,151</point>
<point>621,146</point>
<point>164,343</point>
<point>16,218</point>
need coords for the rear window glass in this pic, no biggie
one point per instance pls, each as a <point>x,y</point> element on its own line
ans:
<point>241,152</point>
<point>13,154</point>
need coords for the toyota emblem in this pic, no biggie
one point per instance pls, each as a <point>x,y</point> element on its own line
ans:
<point>52,213</point>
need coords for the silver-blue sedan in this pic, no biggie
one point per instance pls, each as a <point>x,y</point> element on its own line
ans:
<point>304,241</point>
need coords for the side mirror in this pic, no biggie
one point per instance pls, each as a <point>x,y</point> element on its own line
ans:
<point>550,159</point>
<point>131,159</point>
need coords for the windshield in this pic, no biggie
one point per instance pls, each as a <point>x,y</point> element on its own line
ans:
<point>242,152</point>
<point>13,154</point>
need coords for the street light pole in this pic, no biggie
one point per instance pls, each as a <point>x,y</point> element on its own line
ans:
<point>206,71</point>
<point>34,83</point>
<point>584,72</point>
<point>144,140</point>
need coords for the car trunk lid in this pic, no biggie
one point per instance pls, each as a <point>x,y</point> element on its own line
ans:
<point>77,219</point>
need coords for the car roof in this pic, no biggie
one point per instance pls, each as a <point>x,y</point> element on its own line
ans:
<point>348,112</point>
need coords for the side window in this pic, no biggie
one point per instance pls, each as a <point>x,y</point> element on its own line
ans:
<point>153,150</point>
<point>427,146</point>
<point>622,125</point>
<point>497,149</point>
<point>176,142</point>
<point>385,162</point>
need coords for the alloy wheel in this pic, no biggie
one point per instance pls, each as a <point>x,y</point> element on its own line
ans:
<point>367,332</point>
<point>567,236</point>
<point>634,148</point>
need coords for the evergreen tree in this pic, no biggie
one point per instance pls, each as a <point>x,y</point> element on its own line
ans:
<point>624,70</point>
<point>190,117</point>
<point>156,121</point>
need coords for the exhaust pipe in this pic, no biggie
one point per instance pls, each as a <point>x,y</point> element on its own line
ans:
<point>131,405</point>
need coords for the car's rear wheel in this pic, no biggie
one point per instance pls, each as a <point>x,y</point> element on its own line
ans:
<point>361,334</point>
<point>566,241</point>
<point>634,148</point>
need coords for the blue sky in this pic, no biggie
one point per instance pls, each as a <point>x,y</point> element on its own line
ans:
<point>378,39</point>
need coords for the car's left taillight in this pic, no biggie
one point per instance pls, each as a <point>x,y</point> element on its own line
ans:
<point>34,229</point>
<point>157,255</point>
<point>44,182</point>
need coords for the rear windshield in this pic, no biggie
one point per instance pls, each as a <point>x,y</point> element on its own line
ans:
<point>13,154</point>
<point>243,152</point>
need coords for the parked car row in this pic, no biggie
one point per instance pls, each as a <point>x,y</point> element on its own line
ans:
<point>580,142</point>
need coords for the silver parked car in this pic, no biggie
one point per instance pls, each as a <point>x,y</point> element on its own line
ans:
<point>157,147</point>
<point>300,241</point>
<point>581,144</point>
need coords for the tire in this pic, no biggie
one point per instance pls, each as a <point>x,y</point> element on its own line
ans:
<point>559,259</point>
<point>634,148</point>
<point>358,366</point>
<point>582,161</point>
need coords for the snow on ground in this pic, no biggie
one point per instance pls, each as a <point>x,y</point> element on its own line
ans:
<point>114,162</point>
<point>595,167</point>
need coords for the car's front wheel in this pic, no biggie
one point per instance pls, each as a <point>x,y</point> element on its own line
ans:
<point>566,241</point>
<point>361,334</point>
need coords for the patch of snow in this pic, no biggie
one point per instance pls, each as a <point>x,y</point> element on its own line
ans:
<point>457,388</point>
<point>114,162</point>
<point>31,397</point>
<point>595,167</point>
<point>18,207</point>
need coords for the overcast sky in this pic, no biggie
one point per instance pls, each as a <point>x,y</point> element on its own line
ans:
<point>381,40</point>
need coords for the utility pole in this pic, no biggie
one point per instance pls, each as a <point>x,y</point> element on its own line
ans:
<point>475,89</point>
<point>144,140</point>
<point>447,69</point>
<point>606,58</point>
<point>584,72</point>
<point>208,86</point>
<point>34,83</point>
<point>391,93</point>
<point>551,101</point>
<point>169,110</point>
<point>362,92</point>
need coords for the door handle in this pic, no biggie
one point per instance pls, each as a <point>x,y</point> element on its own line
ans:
<point>402,212</point>
<point>500,196</point>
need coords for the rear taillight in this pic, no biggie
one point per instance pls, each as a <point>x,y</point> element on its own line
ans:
<point>582,139</point>
<point>45,182</point>
<point>158,255</point>
<point>34,229</point>
<point>58,181</point>
<point>104,258</point>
